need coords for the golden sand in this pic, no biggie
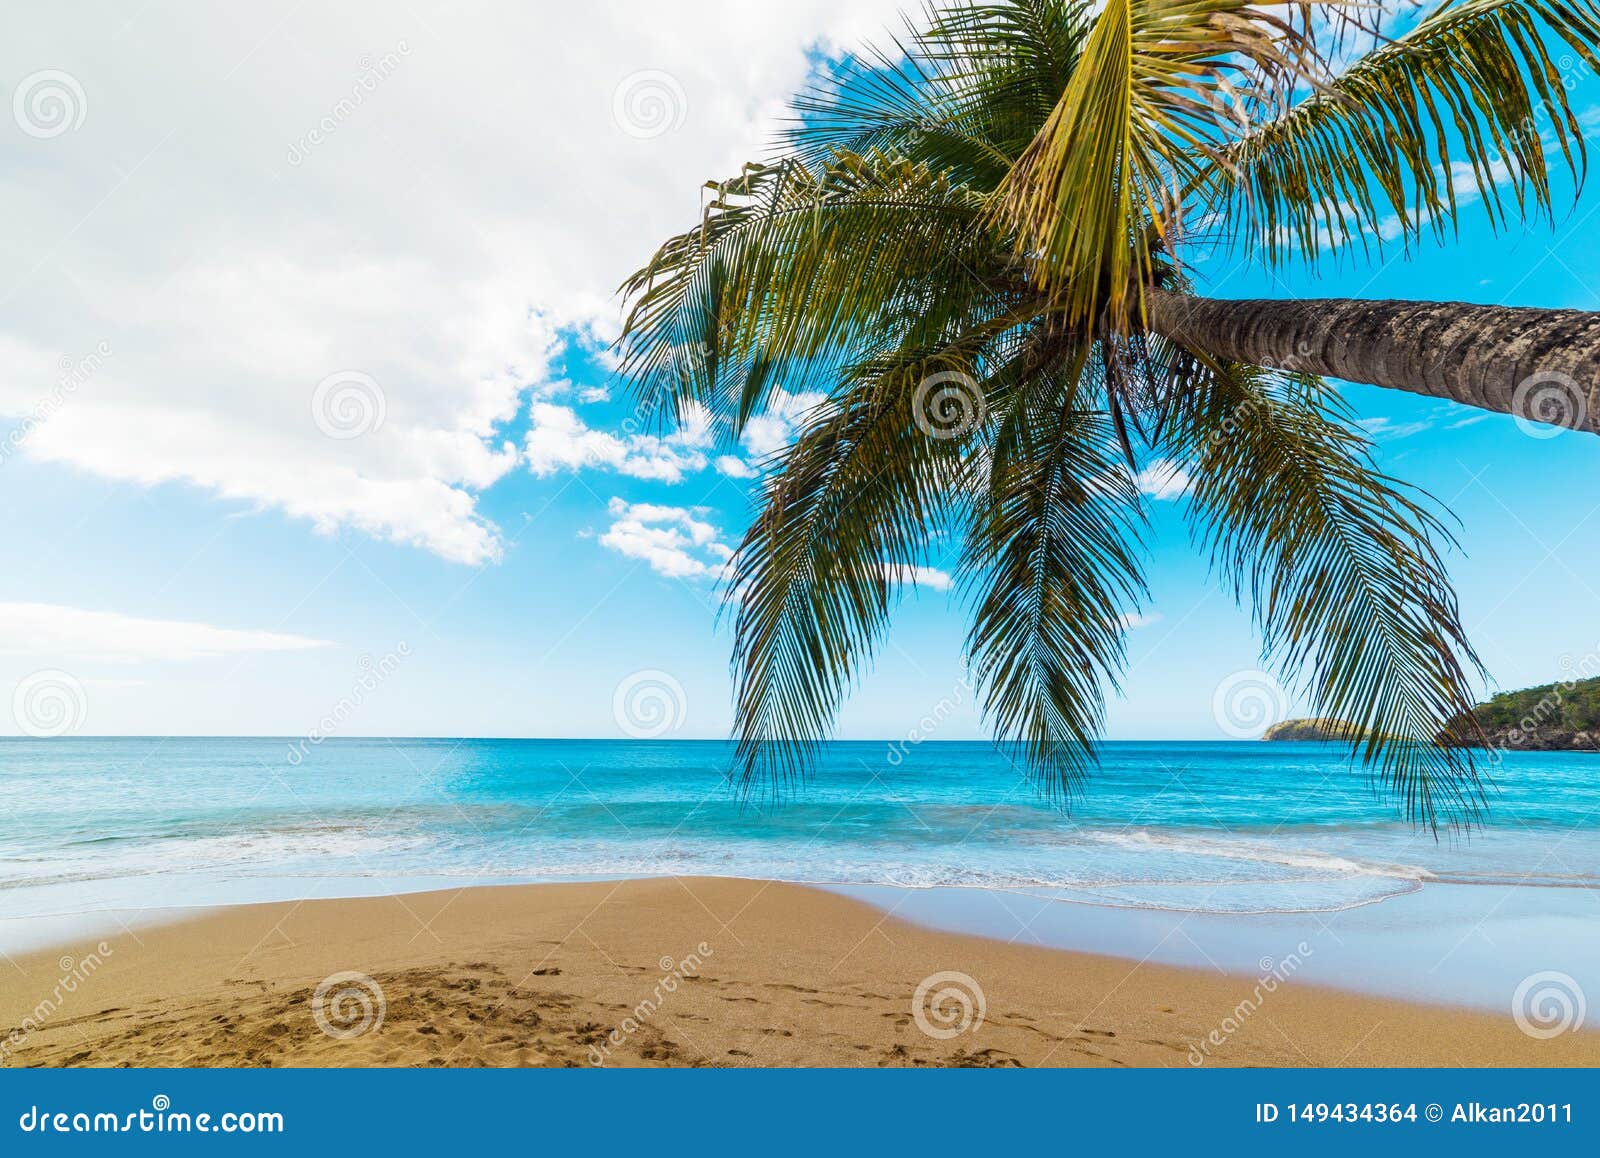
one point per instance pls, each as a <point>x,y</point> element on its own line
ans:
<point>679,972</point>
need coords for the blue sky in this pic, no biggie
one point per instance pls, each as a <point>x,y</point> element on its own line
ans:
<point>189,547</point>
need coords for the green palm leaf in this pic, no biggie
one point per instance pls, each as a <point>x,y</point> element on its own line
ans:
<point>1130,136</point>
<point>855,505</point>
<point>994,197</point>
<point>1051,562</point>
<point>1472,96</point>
<point>804,274</point>
<point>1338,563</point>
<point>965,94</point>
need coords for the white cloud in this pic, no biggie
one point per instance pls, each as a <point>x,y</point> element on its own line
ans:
<point>255,202</point>
<point>559,440</point>
<point>76,633</point>
<point>426,509</point>
<point>1384,429</point>
<point>1132,620</point>
<point>772,430</point>
<point>1163,479</point>
<point>675,541</point>
<point>786,413</point>
<point>735,467</point>
<point>594,394</point>
<point>929,577</point>
<point>1463,180</point>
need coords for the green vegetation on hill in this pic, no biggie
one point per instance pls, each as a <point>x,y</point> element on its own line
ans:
<point>1575,706</point>
<point>1559,715</point>
<point>1313,729</point>
<point>1551,717</point>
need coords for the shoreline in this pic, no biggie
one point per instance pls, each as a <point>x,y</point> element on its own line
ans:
<point>1434,944</point>
<point>685,971</point>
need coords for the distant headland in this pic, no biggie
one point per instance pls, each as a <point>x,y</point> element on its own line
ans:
<point>1315,728</point>
<point>1556,717</point>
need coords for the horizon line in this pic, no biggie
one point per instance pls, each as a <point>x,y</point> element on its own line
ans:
<point>588,739</point>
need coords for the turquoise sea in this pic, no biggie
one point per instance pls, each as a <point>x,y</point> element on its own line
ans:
<point>1188,836</point>
<point>1224,827</point>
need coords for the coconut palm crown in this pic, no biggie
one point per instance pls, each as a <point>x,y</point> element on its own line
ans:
<point>970,245</point>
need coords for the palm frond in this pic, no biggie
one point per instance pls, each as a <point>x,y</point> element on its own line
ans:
<point>897,104</point>
<point>1338,563</point>
<point>1471,99</point>
<point>796,275</point>
<point>1130,137</point>
<point>965,92</point>
<point>1051,561</point>
<point>993,199</point>
<point>854,506</point>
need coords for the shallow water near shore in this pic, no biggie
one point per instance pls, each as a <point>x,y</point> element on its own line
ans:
<point>1195,853</point>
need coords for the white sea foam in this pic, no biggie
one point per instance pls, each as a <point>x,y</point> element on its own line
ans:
<point>1149,868</point>
<point>1261,852</point>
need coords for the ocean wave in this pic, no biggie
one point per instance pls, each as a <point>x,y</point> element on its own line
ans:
<point>1186,869</point>
<point>1257,851</point>
<point>272,850</point>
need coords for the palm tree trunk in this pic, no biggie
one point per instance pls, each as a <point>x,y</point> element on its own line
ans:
<point>1538,364</point>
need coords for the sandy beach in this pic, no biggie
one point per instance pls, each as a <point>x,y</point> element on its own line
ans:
<point>680,972</point>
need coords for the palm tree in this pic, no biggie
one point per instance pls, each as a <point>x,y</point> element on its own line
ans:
<point>970,246</point>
